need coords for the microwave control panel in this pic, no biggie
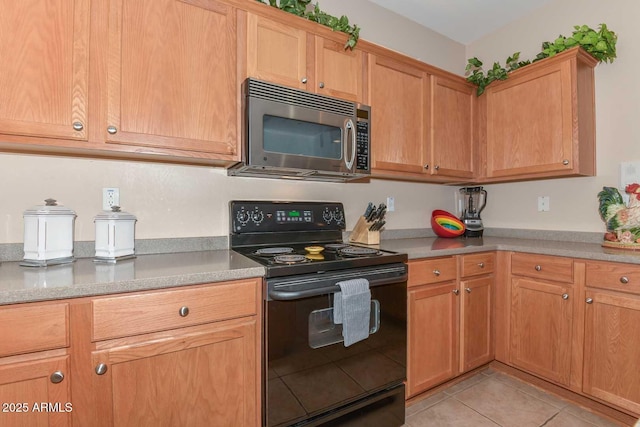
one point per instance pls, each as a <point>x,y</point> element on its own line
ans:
<point>362,153</point>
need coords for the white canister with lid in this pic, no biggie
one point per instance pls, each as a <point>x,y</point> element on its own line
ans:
<point>115,235</point>
<point>48,234</point>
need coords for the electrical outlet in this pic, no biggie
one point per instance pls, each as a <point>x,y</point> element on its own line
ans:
<point>391,204</point>
<point>543,204</point>
<point>110,197</point>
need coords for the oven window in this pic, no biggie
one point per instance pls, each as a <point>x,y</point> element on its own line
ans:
<point>289,136</point>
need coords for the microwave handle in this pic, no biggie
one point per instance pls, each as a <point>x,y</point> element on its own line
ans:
<point>349,126</point>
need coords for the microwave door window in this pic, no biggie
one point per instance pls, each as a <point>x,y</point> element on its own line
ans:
<point>297,137</point>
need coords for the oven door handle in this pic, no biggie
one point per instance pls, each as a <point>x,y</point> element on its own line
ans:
<point>282,295</point>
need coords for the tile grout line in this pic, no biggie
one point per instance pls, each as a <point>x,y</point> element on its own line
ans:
<point>474,410</point>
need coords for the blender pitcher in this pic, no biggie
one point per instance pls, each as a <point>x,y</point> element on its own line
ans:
<point>471,202</point>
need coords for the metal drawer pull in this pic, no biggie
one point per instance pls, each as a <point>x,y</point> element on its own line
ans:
<point>589,300</point>
<point>565,296</point>
<point>538,267</point>
<point>481,265</point>
<point>112,130</point>
<point>78,126</point>
<point>304,80</point>
<point>456,292</point>
<point>184,311</point>
<point>468,290</point>
<point>101,369</point>
<point>436,272</point>
<point>57,377</point>
<point>624,280</point>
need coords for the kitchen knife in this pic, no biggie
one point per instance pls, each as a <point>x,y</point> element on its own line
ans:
<point>380,224</point>
<point>372,214</point>
<point>367,211</point>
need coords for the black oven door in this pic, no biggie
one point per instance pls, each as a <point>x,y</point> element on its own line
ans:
<point>311,377</point>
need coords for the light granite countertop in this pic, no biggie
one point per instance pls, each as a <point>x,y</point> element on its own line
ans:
<point>85,278</point>
<point>428,247</point>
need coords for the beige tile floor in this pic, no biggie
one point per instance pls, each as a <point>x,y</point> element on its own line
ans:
<point>492,399</point>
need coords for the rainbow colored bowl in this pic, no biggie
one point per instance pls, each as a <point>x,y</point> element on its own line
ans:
<point>445,224</point>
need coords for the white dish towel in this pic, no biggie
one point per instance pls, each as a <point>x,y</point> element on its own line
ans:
<point>352,309</point>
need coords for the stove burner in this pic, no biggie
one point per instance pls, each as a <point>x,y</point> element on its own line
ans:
<point>289,259</point>
<point>357,251</point>
<point>335,246</point>
<point>274,251</point>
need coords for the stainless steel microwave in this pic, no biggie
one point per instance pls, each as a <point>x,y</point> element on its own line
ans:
<point>290,133</point>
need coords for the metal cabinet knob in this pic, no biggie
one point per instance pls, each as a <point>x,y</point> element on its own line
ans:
<point>101,369</point>
<point>184,311</point>
<point>436,272</point>
<point>565,296</point>
<point>57,377</point>
<point>468,290</point>
<point>589,300</point>
<point>538,267</point>
<point>426,167</point>
<point>112,130</point>
<point>624,280</point>
<point>304,80</point>
<point>481,264</point>
<point>437,167</point>
<point>456,291</point>
<point>321,85</point>
<point>565,162</point>
<point>78,126</point>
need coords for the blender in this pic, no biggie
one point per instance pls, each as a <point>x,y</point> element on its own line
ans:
<point>471,202</point>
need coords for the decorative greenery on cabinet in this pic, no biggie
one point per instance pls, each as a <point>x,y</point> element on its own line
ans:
<point>301,8</point>
<point>600,44</point>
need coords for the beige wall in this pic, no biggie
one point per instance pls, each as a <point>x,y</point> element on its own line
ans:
<point>190,201</point>
<point>573,201</point>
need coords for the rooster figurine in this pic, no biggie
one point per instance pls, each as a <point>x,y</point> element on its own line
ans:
<point>623,222</point>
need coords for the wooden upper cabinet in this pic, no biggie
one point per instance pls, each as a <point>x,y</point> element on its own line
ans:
<point>399,98</point>
<point>284,54</point>
<point>453,149</point>
<point>276,52</point>
<point>172,77</point>
<point>44,69</point>
<point>540,122</point>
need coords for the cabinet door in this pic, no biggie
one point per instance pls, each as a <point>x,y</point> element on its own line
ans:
<point>172,77</point>
<point>612,349</point>
<point>399,95</point>
<point>277,52</point>
<point>33,398</point>
<point>541,328</point>
<point>452,147</point>
<point>433,336</point>
<point>339,72</point>
<point>476,340</point>
<point>530,123</point>
<point>44,48</point>
<point>201,378</point>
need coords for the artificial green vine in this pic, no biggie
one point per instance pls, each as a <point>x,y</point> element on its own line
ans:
<point>300,8</point>
<point>600,44</point>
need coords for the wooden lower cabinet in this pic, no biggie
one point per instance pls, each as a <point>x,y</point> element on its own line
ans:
<point>35,391</point>
<point>433,336</point>
<point>541,328</point>
<point>476,340</point>
<point>199,376</point>
<point>612,348</point>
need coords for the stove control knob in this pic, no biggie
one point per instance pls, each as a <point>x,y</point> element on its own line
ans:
<point>327,215</point>
<point>338,215</point>
<point>242,217</point>
<point>257,217</point>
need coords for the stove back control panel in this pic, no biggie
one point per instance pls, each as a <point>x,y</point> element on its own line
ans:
<point>257,217</point>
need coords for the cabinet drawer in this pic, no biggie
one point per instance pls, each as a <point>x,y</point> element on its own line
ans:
<point>32,328</point>
<point>156,311</point>
<point>546,267</point>
<point>475,264</point>
<point>431,271</point>
<point>613,275</point>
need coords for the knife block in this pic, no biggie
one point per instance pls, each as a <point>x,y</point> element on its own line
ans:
<point>361,233</point>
